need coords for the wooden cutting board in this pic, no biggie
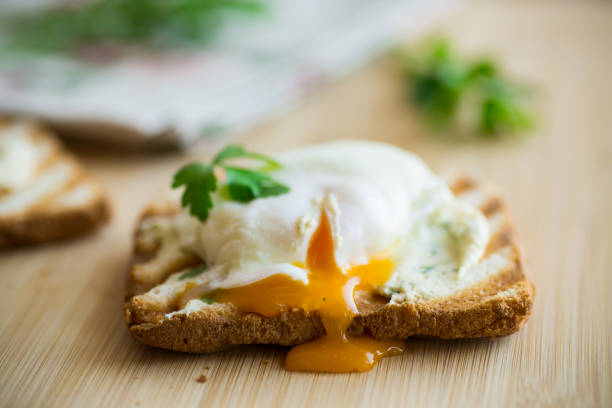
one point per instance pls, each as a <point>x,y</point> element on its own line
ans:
<point>64,342</point>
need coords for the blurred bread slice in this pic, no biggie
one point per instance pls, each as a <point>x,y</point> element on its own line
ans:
<point>45,194</point>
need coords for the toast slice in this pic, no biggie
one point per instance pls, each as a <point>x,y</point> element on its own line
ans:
<point>45,194</point>
<point>497,306</point>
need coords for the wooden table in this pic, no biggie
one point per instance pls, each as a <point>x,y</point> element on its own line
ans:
<point>63,337</point>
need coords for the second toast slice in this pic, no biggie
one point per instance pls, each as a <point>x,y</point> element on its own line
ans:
<point>45,194</point>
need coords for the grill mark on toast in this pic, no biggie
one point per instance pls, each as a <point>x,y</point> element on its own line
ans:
<point>491,206</point>
<point>51,150</point>
<point>504,278</point>
<point>80,193</point>
<point>141,246</point>
<point>502,238</point>
<point>488,204</point>
<point>51,156</point>
<point>461,184</point>
<point>45,202</point>
<point>162,265</point>
<point>22,201</point>
<point>50,159</point>
<point>501,232</point>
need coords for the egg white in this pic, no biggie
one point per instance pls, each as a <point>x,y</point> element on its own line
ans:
<point>19,156</point>
<point>379,200</point>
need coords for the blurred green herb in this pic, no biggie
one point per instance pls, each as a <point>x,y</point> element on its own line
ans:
<point>450,91</point>
<point>192,273</point>
<point>242,185</point>
<point>207,299</point>
<point>426,268</point>
<point>154,22</point>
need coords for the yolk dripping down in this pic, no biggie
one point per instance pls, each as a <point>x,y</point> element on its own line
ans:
<point>331,293</point>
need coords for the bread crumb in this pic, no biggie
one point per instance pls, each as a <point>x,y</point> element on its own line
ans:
<point>207,367</point>
<point>202,379</point>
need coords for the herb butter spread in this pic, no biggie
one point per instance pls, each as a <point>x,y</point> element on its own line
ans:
<point>19,156</point>
<point>381,202</point>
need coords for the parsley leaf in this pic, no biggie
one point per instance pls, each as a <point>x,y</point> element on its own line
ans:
<point>236,151</point>
<point>426,268</point>
<point>199,181</point>
<point>246,185</point>
<point>447,88</point>
<point>208,299</point>
<point>191,273</point>
<point>243,185</point>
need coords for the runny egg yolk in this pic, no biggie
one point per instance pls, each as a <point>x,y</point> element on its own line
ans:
<point>330,292</point>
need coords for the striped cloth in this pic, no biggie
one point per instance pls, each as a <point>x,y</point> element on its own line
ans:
<point>255,68</point>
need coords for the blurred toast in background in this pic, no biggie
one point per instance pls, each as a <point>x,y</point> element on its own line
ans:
<point>45,194</point>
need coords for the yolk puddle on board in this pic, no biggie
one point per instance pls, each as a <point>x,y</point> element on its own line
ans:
<point>331,293</point>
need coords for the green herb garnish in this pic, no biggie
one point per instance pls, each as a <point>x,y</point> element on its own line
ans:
<point>192,272</point>
<point>242,185</point>
<point>155,22</point>
<point>236,151</point>
<point>209,300</point>
<point>450,90</point>
<point>426,268</point>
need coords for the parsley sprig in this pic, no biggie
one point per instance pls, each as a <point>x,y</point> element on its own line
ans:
<point>192,273</point>
<point>447,89</point>
<point>155,22</point>
<point>241,184</point>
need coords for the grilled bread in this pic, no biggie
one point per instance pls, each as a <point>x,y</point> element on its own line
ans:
<point>496,306</point>
<point>45,194</point>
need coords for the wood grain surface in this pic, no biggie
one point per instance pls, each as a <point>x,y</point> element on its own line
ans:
<point>63,338</point>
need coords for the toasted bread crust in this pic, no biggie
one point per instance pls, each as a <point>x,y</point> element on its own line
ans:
<point>39,227</point>
<point>496,307</point>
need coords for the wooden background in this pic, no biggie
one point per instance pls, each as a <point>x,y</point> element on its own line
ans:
<point>63,339</point>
